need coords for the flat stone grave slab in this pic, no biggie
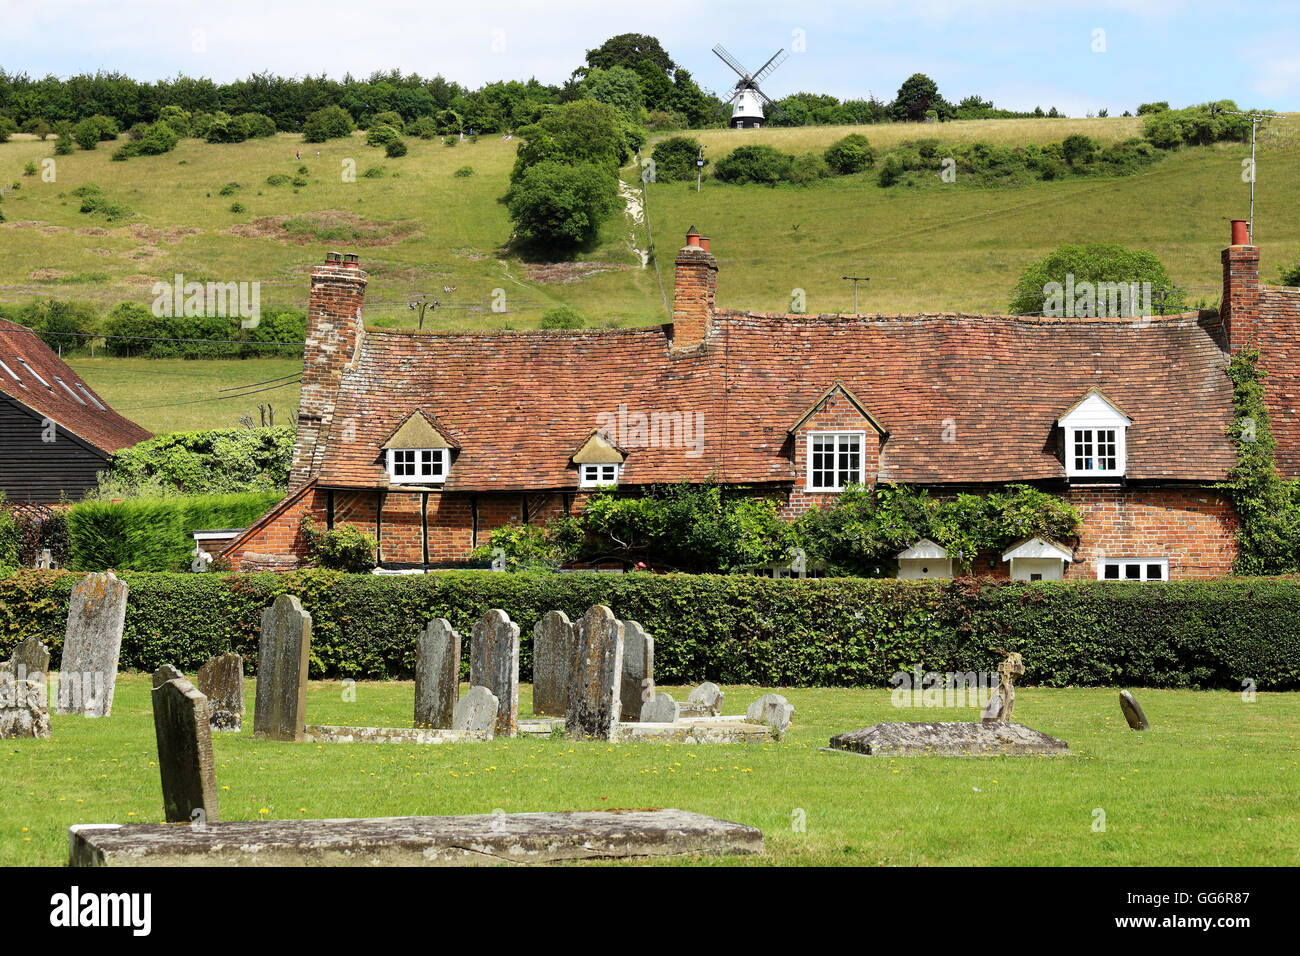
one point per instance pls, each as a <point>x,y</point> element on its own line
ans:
<point>713,731</point>
<point>482,839</point>
<point>955,739</point>
<point>333,734</point>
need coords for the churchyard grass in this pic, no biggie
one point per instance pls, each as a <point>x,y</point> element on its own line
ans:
<point>1212,783</point>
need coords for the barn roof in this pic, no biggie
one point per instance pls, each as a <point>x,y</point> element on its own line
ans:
<point>33,375</point>
<point>961,398</point>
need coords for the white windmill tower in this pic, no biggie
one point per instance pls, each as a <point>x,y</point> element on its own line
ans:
<point>746,98</point>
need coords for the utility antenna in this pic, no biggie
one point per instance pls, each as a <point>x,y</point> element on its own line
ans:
<point>422,301</point>
<point>1255,118</point>
<point>855,280</point>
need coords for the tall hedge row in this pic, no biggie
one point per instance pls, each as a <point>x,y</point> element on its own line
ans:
<point>843,632</point>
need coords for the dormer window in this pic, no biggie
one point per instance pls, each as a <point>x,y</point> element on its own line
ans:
<point>417,452</point>
<point>598,475</point>
<point>1095,433</point>
<point>836,442</point>
<point>412,466</point>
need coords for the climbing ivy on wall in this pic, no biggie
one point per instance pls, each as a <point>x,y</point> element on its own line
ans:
<point>1268,505</point>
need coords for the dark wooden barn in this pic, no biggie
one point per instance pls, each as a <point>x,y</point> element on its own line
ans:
<point>56,433</point>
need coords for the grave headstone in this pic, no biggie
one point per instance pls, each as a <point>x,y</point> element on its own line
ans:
<point>638,687</point>
<point>221,681</point>
<point>494,664</point>
<point>1137,720</point>
<point>24,707</point>
<point>661,709</point>
<point>992,709</point>
<point>552,658</point>
<point>476,712</point>
<point>93,640</point>
<point>595,676</point>
<point>181,724</point>
<point>30,659</point>
<point>164,673</point>
<point>437,674</point>
<point>773,710</point>
<point>282,655</point>
<point>706,699</point>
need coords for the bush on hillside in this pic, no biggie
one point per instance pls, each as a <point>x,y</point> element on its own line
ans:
<point>575,134</point>
<point>395,148</point>
<point>387,118</point>
<point>1094,262</point>
<point>381,135</point>
<point>93,130</point>
<point>851,154</point>
<point>156,139</point>
<point>674,159</point>
<point>561,317</point>
<point>560,206</point>
<point>754,164</point>
<point>332,122</point>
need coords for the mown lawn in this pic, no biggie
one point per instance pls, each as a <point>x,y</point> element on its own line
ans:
<point>1213,783</point>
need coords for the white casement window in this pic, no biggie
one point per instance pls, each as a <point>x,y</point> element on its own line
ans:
<point>835,460</point>
<point>1095,438</point>
<point>417,466</point>
<point>1133,569</point>
<point>598,475</point>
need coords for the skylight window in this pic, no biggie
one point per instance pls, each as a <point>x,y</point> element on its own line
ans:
<point>74,395</point>
<point>11,373</point>
<point>93,400</point>
<point>35,374</point>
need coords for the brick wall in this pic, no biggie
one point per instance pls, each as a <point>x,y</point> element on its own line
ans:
<point>1240,307</point>
<point>695,287</point>
<point>836,413</point>
<point>1279,358</point>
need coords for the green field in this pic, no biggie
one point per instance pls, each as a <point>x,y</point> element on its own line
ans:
<point>1213,783</point>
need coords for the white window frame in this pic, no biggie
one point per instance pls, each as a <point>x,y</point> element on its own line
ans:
<point>75,397</point>
<point>35,374</point>
<point>423,463</point>
<point>840,484</point>
<point>597,474</point>
<point>1142,564</point>
<point>11,373</point>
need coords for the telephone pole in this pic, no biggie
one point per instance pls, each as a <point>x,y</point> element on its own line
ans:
<point>855,280</point>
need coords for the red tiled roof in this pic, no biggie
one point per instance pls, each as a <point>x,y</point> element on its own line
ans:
<point>521,402</point>
<point>102,428</point>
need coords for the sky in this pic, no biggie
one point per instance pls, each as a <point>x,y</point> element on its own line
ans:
<point>1077,56</point>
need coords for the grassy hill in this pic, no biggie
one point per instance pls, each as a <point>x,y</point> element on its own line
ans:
<point>419,227</point>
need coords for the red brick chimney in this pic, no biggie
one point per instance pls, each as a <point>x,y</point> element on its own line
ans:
<point>338,291</point>
<point>695,286</point>
<point>1240,306</point>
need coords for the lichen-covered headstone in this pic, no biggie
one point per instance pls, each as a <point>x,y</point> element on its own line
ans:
<point>552,658</point>
<point>494,664</point>
<point>707,699</point>
<point>1137,720</point>
<point>476,712</point>
<point>596,676</point>
<point>773,710</point>
<point>181,724</point>
<point>283,649</point>
<point>638,687</point>
<point>221,681</point>
<point>24,706</point>
<point>92,642</point>
<point>661,709</point>
<point>30,659</point>
<point>437,674</point>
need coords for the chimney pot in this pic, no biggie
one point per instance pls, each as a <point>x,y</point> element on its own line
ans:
<point>704,243</point>
<point>352,261</point>
<point>332,257</point>
<point>1240,232</point>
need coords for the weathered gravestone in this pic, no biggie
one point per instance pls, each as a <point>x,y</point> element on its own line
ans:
<point>1137,720</point>
<point>93,640</point>
<point>494,664</point>
<point>704,701</point>
<point>1002,703</point>
<point>437,674</point>
<point>552,658</point>
<point>476,712</point>
<point>181,724</point>
<point>661,709</point>
<point>595,677</point>
<point>24,705</point>
<point>638,686</point>
<point>282,670</point>
<point>773,710</point>
<point>221,681</point>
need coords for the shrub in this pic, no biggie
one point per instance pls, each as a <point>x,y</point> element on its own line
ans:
<point>1095,262</point>
<point>464,172</point>
<point>7,128</point>
<point>256,125</point>
<point>561,317</point>
<point>424,127</point>
<point>345,548</point>
<point>807,168</point>
<point>277,179</point>
<point>558,205</point>
<point>61,324</point>
<point>229,189</point>
<point>395,148</point>
<point>219,460</point>
<point>1290,275</point>
<point>380,135</point>
<point>238,207</point>
<point>332,122</point>
<point>374,172</point>
<point>674,159</point>
<point>730,629</point>
<point>63,144</point>
<point>754,164</point>
<point>1078,149</point>
<point>852,154</point>
<point>157,139</point>
<point>153,534</point>
<point>29,168</point>
<point>388,118</point>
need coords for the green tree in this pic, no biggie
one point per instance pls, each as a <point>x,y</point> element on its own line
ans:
<point>1094,262</point>
<point>674,159</point>
<point>619,87</point>
<point>332,122</point>
<point>918,94</point>
<point>627,50</point>
<point>583,132</point>
<point>852,154</point>
<point>560,206</point>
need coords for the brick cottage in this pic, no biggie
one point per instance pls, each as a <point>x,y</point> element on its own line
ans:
<point>430,440</point>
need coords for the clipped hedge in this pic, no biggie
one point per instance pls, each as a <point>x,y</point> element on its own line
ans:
<point>731,629</point>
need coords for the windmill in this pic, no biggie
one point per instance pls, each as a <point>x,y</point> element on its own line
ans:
<point>746,98</point>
